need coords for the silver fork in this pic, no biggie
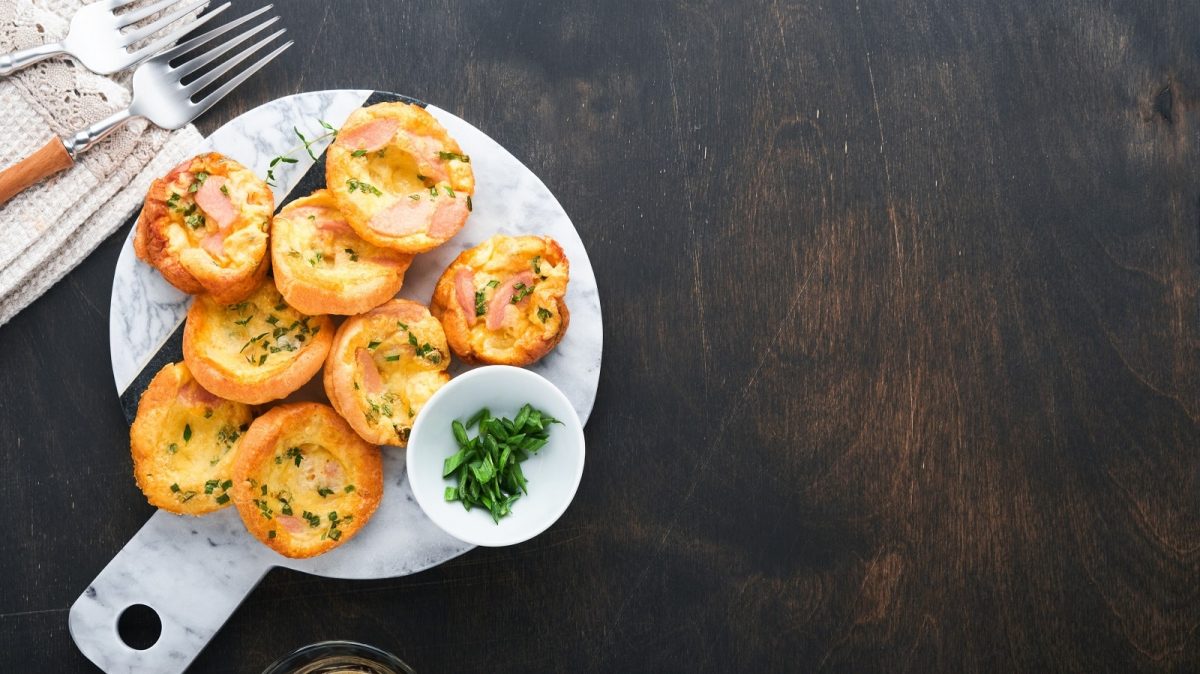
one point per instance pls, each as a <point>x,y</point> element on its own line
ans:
<point>159,95</point>
<point>96,40</point>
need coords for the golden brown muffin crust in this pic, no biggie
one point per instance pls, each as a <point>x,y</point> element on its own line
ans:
<point>256,350</point>
<point>204,226</point>
<point>323,267</point>
<point>304,482</point>
<point>183,442</point>
<point>400,179</point>
<point>383,366</point>
<point>503,302</point>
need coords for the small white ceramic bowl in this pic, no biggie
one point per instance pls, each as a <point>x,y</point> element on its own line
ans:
<point>553,473</point>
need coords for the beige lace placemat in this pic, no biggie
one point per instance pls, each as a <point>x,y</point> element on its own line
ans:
<point>48,229</point>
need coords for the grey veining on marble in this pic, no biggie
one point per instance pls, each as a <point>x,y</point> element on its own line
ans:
<point>195,571</point>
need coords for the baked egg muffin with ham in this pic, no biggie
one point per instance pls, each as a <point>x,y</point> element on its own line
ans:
<point>304,482</point>
<point>399,178</point>
<point>383,366</point>
<point>503,301</point>
<point>204,226</point>
<point>256,350</point>
<point>322,267</point>
<point>183,441</point>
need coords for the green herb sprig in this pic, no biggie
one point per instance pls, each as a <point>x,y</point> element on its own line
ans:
<point>306,144</point>
<point>487,468</point>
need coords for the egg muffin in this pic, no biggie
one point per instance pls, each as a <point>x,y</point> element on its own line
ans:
<point>184,440</point>
<point>322,267</point>
<point>256,350</point>
<point>204,226</point>
<point>503,301</point>
<point>303,481</point>
<point>400,179</point>
<point>382,368</point>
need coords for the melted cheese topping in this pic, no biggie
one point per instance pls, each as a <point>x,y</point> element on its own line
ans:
<point>304,482</point>
<point>245,241</point>
<point>184,441</point>
<point>302,486</point>
<point>495,262</point>
<point>259,337</point>
<point>411,359</point>
<point>420,162</point>
<point>384,366</point>
<point>309,246</point>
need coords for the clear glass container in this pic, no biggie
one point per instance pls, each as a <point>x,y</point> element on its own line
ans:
<point>338,657</point>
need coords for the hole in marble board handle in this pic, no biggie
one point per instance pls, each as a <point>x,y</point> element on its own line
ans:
<point>139,627</point>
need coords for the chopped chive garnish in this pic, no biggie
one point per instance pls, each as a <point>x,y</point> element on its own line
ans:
<point>522,291</point>
<point>486,469</point>
<point>480,303</point>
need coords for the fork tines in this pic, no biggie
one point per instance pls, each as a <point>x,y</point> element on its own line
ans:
<point>134,36</point>
<point>202,58</point>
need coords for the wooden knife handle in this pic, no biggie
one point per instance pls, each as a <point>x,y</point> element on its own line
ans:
<point>43,163</point>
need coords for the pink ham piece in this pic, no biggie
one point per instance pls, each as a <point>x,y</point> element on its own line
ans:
<point>448,218</point>
<point>214,244</point>
<point>371,378</point>
<point>372,136</point>
<point>464,287</point>
<point>498,308</point>
<point>439,218</point>
<point>215,203</point>
<point>321,218</point>
<point>427,149</point>
<point>335,227</point>
<point>333,471</point>
<point>292,524</point>
<point>193,394</point>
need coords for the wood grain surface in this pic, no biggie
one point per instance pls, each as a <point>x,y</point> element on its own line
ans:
<point>901,361</point>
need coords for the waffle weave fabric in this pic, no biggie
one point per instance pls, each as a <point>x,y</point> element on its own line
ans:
<point>49,228</point>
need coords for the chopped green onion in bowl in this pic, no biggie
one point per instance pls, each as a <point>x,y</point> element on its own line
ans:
<point>486,469</point>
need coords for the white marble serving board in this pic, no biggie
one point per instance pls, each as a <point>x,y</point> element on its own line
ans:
<point>194,571</point>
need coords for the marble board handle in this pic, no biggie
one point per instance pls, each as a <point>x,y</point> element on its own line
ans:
<point>191,570</point>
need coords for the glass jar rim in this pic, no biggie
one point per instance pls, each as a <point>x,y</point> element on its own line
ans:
<point>318,653</point>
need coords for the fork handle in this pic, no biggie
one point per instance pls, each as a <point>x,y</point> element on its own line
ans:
<point>43,163</point>
<point>23,58</point>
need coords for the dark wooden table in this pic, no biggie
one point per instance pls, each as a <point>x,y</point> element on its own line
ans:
<point>901,366</point>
